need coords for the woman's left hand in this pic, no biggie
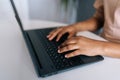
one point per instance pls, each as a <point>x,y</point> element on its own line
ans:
<point>82,46</point>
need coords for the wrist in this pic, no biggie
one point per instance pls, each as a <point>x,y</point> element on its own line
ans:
<point>81,26</point>
<point>74,26</point>
<point>108,49</point>
<point>104,48</point>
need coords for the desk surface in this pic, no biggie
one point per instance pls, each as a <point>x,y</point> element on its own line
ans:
<point>16,63</point>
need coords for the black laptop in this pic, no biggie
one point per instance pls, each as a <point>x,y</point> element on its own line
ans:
<point>44,53</point>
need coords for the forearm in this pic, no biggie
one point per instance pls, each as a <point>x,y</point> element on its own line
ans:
<point>111,49</point>
<point>91,24</point>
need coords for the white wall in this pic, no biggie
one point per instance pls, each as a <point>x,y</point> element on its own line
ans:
<point>44,9</point>
<point>51,10</point>
<point>22,8</point>
<point>5,10</point>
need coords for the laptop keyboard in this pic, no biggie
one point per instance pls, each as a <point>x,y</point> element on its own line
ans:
<point>51,47</point>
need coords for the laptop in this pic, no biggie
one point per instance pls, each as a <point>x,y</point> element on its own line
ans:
<point>44,53</point>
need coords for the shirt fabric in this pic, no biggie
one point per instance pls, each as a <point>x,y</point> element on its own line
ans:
<point>109,10</point>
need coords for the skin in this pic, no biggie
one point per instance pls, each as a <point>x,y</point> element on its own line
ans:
<point>83,45</point>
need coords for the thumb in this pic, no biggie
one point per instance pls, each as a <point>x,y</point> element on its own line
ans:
<point>74,53</point>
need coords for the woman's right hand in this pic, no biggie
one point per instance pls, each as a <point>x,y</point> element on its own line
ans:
<point>59,32</point>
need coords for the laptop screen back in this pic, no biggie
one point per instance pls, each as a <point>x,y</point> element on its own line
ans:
<point>17,16</point>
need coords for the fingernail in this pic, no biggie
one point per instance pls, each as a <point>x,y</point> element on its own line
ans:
<point>58,51</point>
<point>66,56</point>
<point>58,47</point>
<point>57,40</point>
<point>50,39</point>
<point>47,36</point>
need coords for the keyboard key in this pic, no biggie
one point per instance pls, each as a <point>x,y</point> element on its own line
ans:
<point>52,47</point>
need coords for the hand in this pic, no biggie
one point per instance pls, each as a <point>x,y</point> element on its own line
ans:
<point>81,46</point>
<point>61,31</point>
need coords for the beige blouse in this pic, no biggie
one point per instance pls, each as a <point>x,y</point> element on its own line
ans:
<point>110,11</point>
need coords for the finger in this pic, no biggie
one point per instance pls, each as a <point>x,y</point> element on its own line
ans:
<point>53,34</point>
<point>68,48</point>
<point>53,31</point>
<point>69,41</point>
<point>60,34</point>
<point>70,35</point>
<point>72,54</point>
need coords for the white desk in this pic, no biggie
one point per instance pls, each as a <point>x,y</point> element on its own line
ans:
<point>16,64</point>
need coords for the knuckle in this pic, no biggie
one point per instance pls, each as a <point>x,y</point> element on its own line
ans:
<point>63,49</point>
<point>76,45</point>
<point>61,28</point>
<point>75,53</point>
<point>70,55</point>
<point>60,35</point>
<point>52,35</point>
<point>57,30</point>
<point>53,31</point>
<point>68,47</point>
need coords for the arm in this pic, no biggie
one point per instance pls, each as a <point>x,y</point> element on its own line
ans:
<point>94,22</point>
<point>91,24</point>
<point>112,49</point>
<point>81,45</point>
